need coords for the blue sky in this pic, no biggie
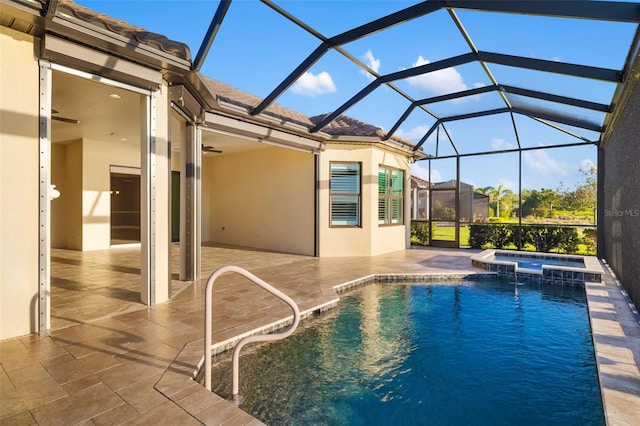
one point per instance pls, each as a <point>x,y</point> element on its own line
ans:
<point>256,48</point>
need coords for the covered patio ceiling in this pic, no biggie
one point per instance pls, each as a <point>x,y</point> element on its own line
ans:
<point>558,87</point>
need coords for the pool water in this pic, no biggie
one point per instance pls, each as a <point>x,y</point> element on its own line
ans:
<point>472,353</point>
<point>534,263</point>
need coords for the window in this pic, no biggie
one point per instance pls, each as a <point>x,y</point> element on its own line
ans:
<point>390,196</point>
<point>344,189</point>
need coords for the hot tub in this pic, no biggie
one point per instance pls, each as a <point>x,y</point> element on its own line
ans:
<point>547,268</point>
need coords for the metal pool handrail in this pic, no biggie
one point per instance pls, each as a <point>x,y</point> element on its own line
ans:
<point>208,308</point>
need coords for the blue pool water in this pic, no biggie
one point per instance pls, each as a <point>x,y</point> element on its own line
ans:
<point>469,354</point>
<point>534,263</point>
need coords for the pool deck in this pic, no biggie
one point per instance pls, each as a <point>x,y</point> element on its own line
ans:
<point>111,360</point>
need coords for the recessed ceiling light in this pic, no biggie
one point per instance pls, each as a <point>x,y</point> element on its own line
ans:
<point>115,96</point>
<point>124,139</point>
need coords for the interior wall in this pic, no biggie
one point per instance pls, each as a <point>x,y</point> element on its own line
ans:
<point>71,195</point>
<point>97,158</point>
<point>619,219</point>
<point>261,199</point>
<point>59,205</point>
<point>19,184</point>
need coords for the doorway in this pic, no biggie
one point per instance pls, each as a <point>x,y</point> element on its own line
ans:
<point>125,205</point>
<point>443,203</point>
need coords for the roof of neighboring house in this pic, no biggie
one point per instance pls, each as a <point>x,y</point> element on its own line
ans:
<point>451,184</point>
<point>157,41</point>
<point>416,182</point>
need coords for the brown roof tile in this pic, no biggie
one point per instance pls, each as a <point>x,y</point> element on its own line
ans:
<point>245,100</point>
<point>347,126</point>
<point>156,41</point>
<point>419,183</point>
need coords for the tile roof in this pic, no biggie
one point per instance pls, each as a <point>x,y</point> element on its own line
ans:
<point>416,182</point>
<point>242,99</point>
<point>347,126</point>
<point>139,34</point>
<point>341,126</point>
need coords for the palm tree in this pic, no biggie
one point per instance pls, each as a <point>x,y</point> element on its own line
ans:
<point>497,194</point>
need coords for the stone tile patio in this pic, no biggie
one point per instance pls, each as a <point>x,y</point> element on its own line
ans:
<point>111,360</point>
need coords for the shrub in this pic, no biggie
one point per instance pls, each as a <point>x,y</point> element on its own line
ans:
<point>548,237</point>
<point>498,235</point>
<point>420,231</point>
<point>589,240</point>
<point>479,235</point>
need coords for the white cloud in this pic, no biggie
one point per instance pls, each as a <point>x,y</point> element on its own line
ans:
<point>543,164</point>
<point>372,63</point>
<point>421,170</point>
<point>509,184</point>
<point>446,80</point>
<point>587,164</point>
<point>415,134</point>
<point>499,144</point>
<point>312,85</point>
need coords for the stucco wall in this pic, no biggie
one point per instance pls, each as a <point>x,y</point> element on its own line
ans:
<point>369,239</point>
<point>262,198</point>
<point>19,187</point>
<point>619,219</point>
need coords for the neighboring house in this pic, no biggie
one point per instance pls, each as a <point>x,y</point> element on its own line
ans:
<point>419,198</point>
<point>104,109</point>
<point>472,205</point>
<point>480,206</point>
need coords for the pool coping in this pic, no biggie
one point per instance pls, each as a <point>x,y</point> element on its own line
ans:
<point>618,373</point>
<point>548,274</point>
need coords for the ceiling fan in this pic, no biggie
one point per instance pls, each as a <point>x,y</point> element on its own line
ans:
<point>63,119</point>
<point>208,148</point>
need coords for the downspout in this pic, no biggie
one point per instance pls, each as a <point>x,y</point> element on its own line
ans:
<point>49,9</point>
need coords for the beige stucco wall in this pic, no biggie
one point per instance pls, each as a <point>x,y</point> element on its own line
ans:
<point>19,188</point>
<point>262,198</point>
<point>369,239</point>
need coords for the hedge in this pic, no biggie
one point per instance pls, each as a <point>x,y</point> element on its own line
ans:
<point>544,238</point>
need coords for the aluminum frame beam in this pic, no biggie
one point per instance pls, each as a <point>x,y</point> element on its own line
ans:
<point>510,60</point>
<point>512,150</point>
<point>534,114</point>
<point>565,100</point>
<point>574,70</point>
<point>595,10</point>
<point>216,21</point>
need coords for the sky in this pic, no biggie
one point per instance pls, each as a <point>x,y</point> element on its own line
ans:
<point>256,48</point>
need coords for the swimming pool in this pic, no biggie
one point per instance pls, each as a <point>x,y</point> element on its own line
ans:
<point>469,353</point>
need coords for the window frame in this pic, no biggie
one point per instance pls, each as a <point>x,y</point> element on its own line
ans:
<point>389,196</point>
<point>358,195</point>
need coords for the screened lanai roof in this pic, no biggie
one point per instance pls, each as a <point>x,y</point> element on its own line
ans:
<point>438,73</point>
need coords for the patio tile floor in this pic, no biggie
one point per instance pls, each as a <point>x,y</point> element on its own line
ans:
<point>111,360</point>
